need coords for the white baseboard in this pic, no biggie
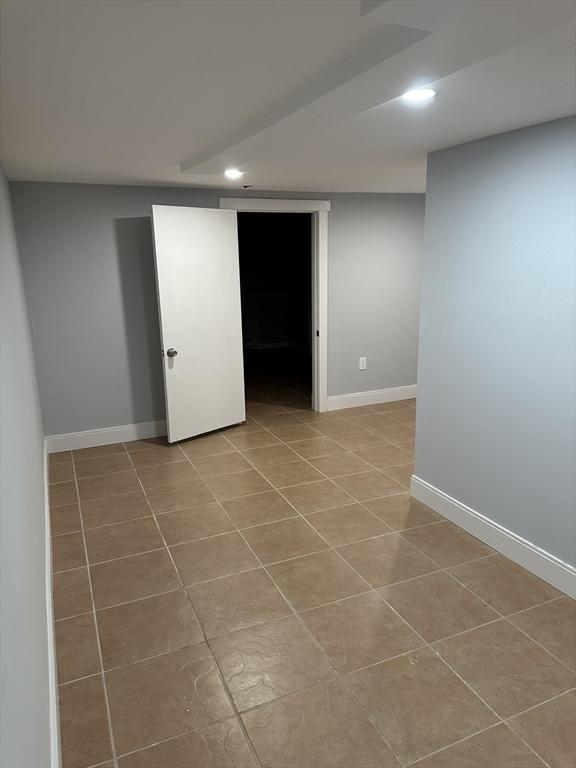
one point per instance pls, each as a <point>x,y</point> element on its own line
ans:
<point>55,753</point>
<point>93,437</point>
<point>548,567</point>
<point>372,397</point>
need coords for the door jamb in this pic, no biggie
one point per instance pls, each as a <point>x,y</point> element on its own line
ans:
<point>319,210</point>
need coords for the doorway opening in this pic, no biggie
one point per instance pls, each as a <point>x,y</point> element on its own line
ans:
<point>318,211</point>
<point>276,276</point>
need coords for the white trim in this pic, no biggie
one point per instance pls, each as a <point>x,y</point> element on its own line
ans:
<point>271,204</point>
<point>55,753</point>
<point>372,397</point>
<point>548,567</point>
<point>319,210</point>
<point>93,437</point>
<point>320,311</point>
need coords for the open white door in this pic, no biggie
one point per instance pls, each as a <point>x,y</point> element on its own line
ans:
<point>198,279</point>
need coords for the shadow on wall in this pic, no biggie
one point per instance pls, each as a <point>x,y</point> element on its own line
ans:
<point>139,298</point>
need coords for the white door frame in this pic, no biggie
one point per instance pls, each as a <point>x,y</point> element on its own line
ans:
<point>319,210</point>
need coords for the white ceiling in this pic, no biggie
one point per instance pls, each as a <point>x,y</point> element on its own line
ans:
<point>300,94</point>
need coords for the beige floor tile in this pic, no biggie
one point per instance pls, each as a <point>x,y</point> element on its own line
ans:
<point>71,593</point>
<point>265,662</point>
<point>222,745</point>
<point>274,420</point>
<point>340,464</point>
<point>102,465</point>
<point>149,442</point>
<point>553,625</point>
<point>437,606</point>
<point>316,446</point>
<point>313,580</point>
<point>194,523</point>
<point>167,474</point>
<point>122,539</point>
<point>114,509</point>
<point>68,552</point>
<point>244,428</point>
<point>157,455</point>
<point>507,669</point>
<point>170,498</point>
<point>222,464</point>
<point>394,405</point>
<point>76,648</point>
<point>263,406</point>
<point>146,628</point>
<point>314,417</point>
<point>401,511</point>
<point>316,496</point>
<point>61,471</point>
<point>395,433</point>
<point>345,525</point>
<point>368,485</point>
<point>268,456</point>
<point>258,509</point>
<point>237,484</point>
<point>338,429</point>
<point>85,738</point>
<point>295,433</point>
<point>402,473</point>
<point>418,704</point>
<point>346,413</point>
<point>497,747</point>
<point>504,585</point>
<point>321,726</point>
<point>63,493</point>
<point>293,473</point>
<point>255,439</point>
<point>287,538</point>
<point>133,578</point>
<point>549,730</point>
<point>386,560</point>
<point>164,697</point>
<point>60,456</point>
<point>407,445</point>
<point>206,559</point>
<point>403,415</point>
<point>354,441</point>
<point>371,420</point>
<point>108,485</point>
<point>210,445</point>
<point>447,544</point>
<point>359,631</point>
<point>97,451</point>
<point>65,519</point>
<point>237,602</point>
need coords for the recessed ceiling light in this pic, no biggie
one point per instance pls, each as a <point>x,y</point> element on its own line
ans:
<point>232,173</point>
<point>419,95</point>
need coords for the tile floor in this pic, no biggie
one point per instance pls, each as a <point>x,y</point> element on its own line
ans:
<point>271,596</point>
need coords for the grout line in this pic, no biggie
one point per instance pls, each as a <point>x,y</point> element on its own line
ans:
<point>96,631</point>
<point>209,647</point>
<point>301,621</point>
<point>329,546</point>
<point>506,617</point>
<point>414,630</point>
<point>181,735</point>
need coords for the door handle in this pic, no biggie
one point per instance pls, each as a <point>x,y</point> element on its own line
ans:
<point>172,352</point>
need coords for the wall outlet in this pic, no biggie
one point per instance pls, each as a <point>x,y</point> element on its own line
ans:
<point>362,364</point>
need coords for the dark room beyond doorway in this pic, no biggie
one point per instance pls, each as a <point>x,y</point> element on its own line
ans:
<point>276,293</point>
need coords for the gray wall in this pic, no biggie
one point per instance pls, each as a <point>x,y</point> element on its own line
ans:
<point>88,270</point>
<point>496,411</point>
<point>24,691</point>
